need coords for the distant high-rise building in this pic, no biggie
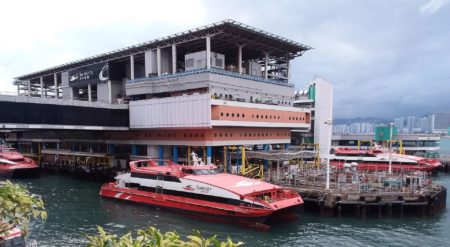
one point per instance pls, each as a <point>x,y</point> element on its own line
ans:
<point>399,123</point>
<point>441,122</point>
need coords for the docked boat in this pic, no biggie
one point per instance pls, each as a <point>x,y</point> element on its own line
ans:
<point>378,159</point>
<point>12,237</point>
<point>202,191</point>
<point>14,164</point>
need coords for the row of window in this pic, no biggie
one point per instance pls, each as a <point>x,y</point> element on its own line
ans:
<point>155,177</point>
<point>251,134</point>
<point>173,135</point>
<point>232,114</point>
<point>257,116</point>
<point>202,135</point>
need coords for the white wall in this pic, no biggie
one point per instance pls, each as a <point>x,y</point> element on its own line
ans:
<point>323,113</point>
<point>191,111</point>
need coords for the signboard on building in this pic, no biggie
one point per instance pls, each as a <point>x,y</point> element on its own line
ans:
<point>383,133</point>
<point>91,74</point>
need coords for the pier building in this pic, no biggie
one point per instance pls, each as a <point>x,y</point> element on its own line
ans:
<point>208,90</point>
<point>414,144</point>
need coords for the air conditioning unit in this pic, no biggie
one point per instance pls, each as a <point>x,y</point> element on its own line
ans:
<point>197,60</point>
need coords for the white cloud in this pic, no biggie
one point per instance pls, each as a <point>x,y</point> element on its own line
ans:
<point>40,34</point>
<point>432,6</point>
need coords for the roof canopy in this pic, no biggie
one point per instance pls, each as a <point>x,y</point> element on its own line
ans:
<point>225,37</point>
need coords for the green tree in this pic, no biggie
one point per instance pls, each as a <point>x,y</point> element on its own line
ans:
<point>18,206</point>
<point>152,237</point>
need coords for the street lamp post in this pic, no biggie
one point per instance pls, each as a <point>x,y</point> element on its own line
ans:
<point>330,125</point>
<point>390,147</point>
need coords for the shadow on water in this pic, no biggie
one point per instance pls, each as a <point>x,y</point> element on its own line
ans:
<point>75,209</point>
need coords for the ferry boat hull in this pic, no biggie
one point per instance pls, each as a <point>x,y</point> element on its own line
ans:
<point>378,160</point>
<point>14,164</point>
<point>209,211</point>
<point>19,170</point>
<point>201,191</point>
<point>385,166</point>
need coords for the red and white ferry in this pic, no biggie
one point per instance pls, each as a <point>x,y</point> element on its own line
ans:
<point>13,163</point>
<point>12,238</point>
<point>378,159</point>
<point>202,191</point>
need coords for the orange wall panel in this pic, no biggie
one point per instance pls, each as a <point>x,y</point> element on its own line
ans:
<point>233,113</point>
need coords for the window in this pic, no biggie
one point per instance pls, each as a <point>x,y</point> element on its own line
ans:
<point>289,118</point>
<point>257,116</point>
<point>237,115</point>
<point>228,114</point>
<point>215,134</point>
<point>232,114</point>
<point>221,114</point>
<point>243,115</point>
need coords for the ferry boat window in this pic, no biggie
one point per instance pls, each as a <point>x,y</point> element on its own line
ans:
<point>187,171</point>
<point>7,150</point>
<point>205,171</point>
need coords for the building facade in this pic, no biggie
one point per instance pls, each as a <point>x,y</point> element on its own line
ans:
<point>319,99</point>
<point>204,90</point>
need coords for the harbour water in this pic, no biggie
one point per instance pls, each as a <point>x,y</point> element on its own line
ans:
<point>75,209</point>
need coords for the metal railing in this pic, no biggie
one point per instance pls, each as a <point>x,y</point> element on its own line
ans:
<point>212,71</point>
<point>353,182</point>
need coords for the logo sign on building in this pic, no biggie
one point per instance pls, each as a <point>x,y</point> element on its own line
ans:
<point>91,74</point>
<point>383,133</point>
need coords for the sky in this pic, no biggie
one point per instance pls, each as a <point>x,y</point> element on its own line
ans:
<point>384,58</point>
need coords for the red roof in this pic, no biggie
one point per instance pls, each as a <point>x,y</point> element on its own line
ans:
<point>236,184</point>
